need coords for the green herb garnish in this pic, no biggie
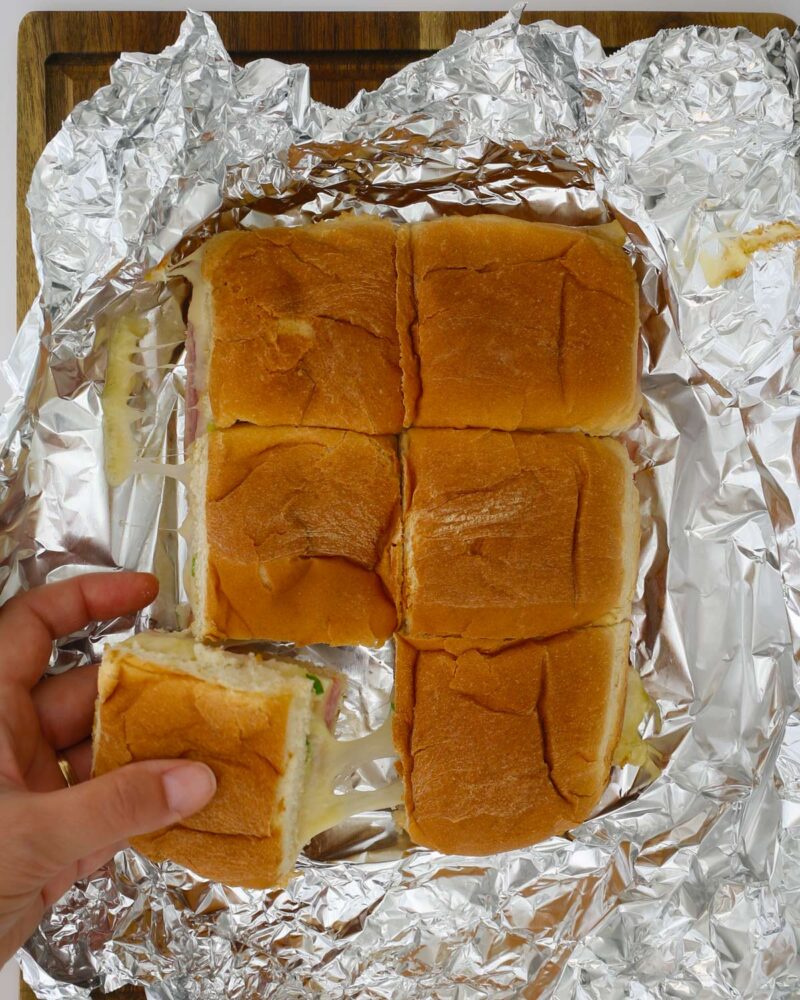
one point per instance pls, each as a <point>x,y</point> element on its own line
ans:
<point>194,563</point>
<point>318,688</point>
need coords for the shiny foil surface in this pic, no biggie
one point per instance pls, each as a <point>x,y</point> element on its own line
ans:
<point>687,885</point>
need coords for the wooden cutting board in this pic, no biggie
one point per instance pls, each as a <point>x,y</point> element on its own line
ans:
<point>64,56</point>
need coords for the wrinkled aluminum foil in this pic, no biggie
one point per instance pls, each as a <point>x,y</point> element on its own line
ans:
<point>685,886</point>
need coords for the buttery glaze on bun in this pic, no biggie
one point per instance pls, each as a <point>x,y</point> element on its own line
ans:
<point>297,326</point>
<point>516,325</point>
<point>501,747</point>
<point>514,536</point>
<point>297,535</point>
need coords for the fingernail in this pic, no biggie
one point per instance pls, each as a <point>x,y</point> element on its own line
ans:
<point>188,787</point>
<point>149,581</point>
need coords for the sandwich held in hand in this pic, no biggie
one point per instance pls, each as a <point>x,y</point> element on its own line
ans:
<point>264,727</point>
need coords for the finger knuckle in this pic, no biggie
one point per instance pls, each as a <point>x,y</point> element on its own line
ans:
<point>26,854</point>
<point>124,804</point>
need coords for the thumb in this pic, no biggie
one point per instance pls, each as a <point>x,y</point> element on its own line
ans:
<point>74,822</point>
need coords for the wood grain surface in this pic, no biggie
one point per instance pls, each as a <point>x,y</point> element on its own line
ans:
<point>64,56</point>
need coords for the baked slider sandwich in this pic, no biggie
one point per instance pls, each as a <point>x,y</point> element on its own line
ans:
<point>503,746</point>
<point>296,326</point>
<point>295,535</point>
<point>514,536</point>
<point>517,326</point>
<point>264,728</point>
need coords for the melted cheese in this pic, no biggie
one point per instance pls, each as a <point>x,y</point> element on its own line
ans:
<point>178,644</point>
<point>330,758</point>
<point>735,253</point>
<point>188,268</point>
<point>119,445</point>
<point>632,749</point>
<point>182,471</point>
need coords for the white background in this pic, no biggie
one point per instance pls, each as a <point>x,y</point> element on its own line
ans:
<point>11,11</point>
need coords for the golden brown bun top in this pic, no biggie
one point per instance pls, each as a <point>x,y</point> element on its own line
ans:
<point>303,533</point>
<point>304,326</point>
<point>503,747</point>
<point>147,712</point>
<point>516,535</point>
<point>517,325</point>
<point>300,492</point>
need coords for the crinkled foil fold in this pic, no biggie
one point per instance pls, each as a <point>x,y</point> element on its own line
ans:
<point>683,886</point>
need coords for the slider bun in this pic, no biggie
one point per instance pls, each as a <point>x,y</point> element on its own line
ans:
<point>517,326</point>
<point>298,536</point>
<point>302,326</point>
<point>243,717</point>
<point>516,535</point>
<point>501,747</point>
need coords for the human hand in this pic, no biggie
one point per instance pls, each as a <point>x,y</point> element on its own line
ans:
<point>51,834</point>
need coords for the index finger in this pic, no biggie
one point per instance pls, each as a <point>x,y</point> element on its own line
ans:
<point>31,621</point>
